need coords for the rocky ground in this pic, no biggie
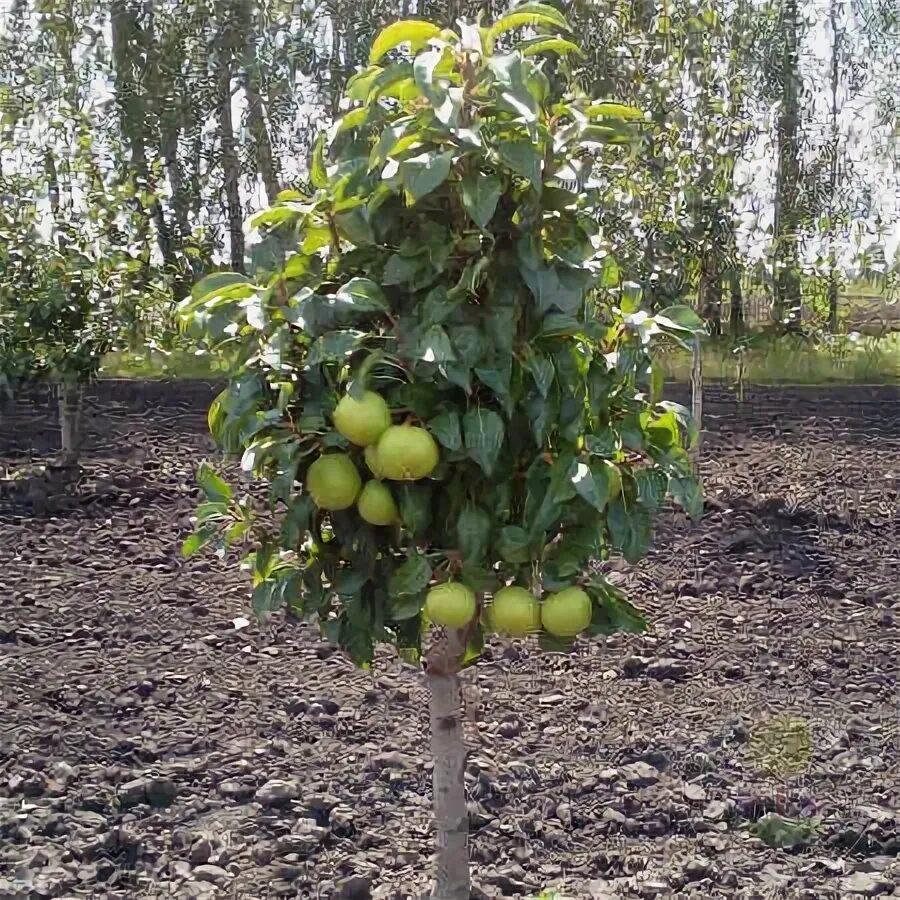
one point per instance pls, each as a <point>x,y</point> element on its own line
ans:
<point>156,743</point>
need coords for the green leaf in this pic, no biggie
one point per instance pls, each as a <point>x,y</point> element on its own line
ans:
<point>613,111</point>
<point>406,606</point>
<point>480,194</point>
<point>446,428</point>
<point>415,507</point>
<point>541,369</point>
<point>522,158</point>
<point>535,45</point>
<point>629,529</point>
<point>434,346</point>
<point>335,346</point>
<point>424,173</point>
<point>680,318</point>
<point>592,484</point>
<point>317,172</point>
<point>196,541</point>
<point>353,119</point>
<point>363,295</point>
<point>529,15</point>
<point>217,283</point>
<point>412,31</point>
<point>473,529</point>
<point>686,492</point>
<point>484,434</point>
<point>411,577</point>
<point>604,442</point>
<point>652,484</point>
<point>513,545</point>
<point>213,485</point>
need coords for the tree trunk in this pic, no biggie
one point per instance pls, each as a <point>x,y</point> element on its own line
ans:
<point>736,315</point>
<point>265,159</point>
<point>786,308</point>
<point>448,748</point>
<point>69,399</point>
<point>231,165</point>
<point>837,38</point>
<point>697,400</point>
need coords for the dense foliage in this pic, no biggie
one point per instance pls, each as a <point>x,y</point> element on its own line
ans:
<point>442,264</point>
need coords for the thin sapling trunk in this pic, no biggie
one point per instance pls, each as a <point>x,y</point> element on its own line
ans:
<point>448,748</point>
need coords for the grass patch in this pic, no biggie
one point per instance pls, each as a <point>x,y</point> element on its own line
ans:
<point>154,364</point>
<point>791,361</point>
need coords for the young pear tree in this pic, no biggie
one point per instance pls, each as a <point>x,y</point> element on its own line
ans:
<point>454,413</point>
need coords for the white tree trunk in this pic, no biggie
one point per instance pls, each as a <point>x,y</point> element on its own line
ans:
<point>449,753</point>
<point>697,400</point>
<point>70,398</point>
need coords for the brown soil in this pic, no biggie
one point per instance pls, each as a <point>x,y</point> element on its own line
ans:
<point>150,747</point>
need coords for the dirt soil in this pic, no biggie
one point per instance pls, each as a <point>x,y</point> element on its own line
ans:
<point>155,744</point>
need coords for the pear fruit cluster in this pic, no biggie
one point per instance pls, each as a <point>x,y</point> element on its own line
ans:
<point>392,452</point>
<point>515,611</point>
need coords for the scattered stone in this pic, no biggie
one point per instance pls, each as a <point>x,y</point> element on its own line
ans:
<point>640,775</point>
<point>213,874</point>
<point>277,793</point>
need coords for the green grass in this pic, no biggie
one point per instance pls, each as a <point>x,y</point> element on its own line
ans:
<point>153,364</point>
<point>869,361</point>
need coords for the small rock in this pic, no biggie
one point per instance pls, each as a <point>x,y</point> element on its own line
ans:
<point>232,789</point>
<point>200,852</point>
<point>277,792</point>
<point>667,669</point>
<point>694,792</point>
<point>213,874</point>
<point>867,884</point>
<point>697,868</point>
<point>356,887</point>
<point>640,775</point>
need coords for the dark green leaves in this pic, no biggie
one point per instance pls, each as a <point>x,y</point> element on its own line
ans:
<point>513,544</point>
<point>424,173</point>
<point>522,158</point>
<point>473,532</point>
<point>411,577</point>
<point>629,528</point>
<point>446,429</point>
<point>685,491</point>
<point>484,431</point>
<point>480,194</point>
<point>363,295</point>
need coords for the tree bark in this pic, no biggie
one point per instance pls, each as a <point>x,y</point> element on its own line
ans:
<point>787,305</point>
<point>231,165</point>
<point>69,399</point>
<point>837,38</point>
<point>452,880</point>
<point>697,401</point>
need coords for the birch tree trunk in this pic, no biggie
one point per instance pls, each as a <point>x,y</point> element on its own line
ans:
<point>69,399</point>
<point>448,747</point>
<point>697,401</point>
